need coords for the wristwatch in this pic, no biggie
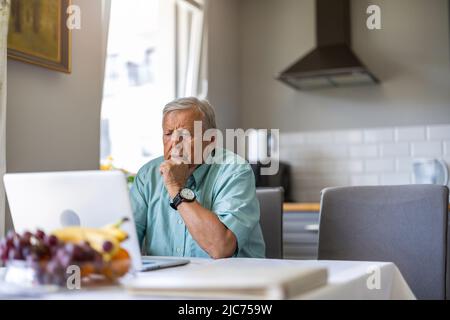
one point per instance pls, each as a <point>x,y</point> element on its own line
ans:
<point>185,195</point>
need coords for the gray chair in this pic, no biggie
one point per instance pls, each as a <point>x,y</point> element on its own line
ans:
<point>271,221</point>
<point>406,225</point>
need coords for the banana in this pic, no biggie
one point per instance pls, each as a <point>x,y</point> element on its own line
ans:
<point>117,234</point>
<point>115,231</point>
<point>71,234</point>
<point>95,237</point>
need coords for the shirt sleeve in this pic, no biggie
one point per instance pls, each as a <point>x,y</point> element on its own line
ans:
<point>236,205</point>
<point>139,206</point>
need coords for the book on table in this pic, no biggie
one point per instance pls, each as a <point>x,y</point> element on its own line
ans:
<point>233,282</point>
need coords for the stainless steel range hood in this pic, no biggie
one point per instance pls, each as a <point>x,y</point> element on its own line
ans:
<point>332,63</point>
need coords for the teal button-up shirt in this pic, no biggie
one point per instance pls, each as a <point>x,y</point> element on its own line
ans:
<point>227,189</point>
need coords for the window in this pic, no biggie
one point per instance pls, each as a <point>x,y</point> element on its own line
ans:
<point>156,52</point>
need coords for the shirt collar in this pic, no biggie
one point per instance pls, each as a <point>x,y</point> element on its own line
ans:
<point>199,173</point>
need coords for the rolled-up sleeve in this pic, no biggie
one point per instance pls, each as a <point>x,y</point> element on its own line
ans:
<point>139,206</point>
<point>236,205</point>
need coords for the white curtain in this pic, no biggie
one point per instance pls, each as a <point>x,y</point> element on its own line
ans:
<point>4,18</point>
<point>191,48</point>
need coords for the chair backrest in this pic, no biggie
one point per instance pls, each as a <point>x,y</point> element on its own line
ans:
<point>406,225</point>
<point>271,221</point>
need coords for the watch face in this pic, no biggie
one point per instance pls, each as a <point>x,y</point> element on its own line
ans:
<point>187,194</point>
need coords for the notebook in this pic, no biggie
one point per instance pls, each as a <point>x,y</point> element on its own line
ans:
<point>231,282</point>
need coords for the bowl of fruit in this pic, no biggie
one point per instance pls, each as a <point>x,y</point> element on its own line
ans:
<point>52,259</point>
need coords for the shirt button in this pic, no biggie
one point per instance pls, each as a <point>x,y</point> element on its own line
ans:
<point>180,221</point>
<point>178,250</point>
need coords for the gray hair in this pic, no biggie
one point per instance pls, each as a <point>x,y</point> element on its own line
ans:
<point>205,108</point>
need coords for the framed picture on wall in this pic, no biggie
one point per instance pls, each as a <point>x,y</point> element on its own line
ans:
<point>38,33</point>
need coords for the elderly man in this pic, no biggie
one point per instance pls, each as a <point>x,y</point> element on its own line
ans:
<point>207,209</point>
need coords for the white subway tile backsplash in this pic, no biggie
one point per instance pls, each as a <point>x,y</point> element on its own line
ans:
<point>319,137</point>
<point>410,134</point>
<point>322,182</point>
<point>348,137</point>
<point>364,151</point>
<point>289,139</point>
<point>335,151</point>
<point>379,165</point>
<point>395,150</point>
<point>378,135</point>
<point>404,165</point>
<point>319,151</point>
<point>382,156</point>
<point>447,148</point>
<point>395,179</point>
<point>440,132</point>
<point>427,149</point>
<point>364,180</point>
<point>302,151</point>
<point>314,166</point>
<point>351,166</point>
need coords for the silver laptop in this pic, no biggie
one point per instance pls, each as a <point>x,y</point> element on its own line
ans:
<point>52,200</point>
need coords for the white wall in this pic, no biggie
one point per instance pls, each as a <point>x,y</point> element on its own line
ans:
<point>223,69</point>
<point>53,119</point>
<point>410,55</point>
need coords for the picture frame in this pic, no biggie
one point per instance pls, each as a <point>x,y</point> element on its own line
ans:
<point>38,34</point>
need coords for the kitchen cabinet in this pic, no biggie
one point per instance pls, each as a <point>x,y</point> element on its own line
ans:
<point>301,232</point>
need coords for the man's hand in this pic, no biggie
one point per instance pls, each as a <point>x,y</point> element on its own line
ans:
<point>175,175</point>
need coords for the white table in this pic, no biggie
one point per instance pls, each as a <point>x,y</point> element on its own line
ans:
<point>346,280</point>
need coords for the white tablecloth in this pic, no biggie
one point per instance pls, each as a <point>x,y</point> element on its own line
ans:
<point>346,280</point>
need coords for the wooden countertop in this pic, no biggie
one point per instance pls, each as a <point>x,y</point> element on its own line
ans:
<point>301,207</point>
<point>306,207</point>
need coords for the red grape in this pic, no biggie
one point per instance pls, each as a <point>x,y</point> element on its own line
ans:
<point>51,241</point>
<point>27,235</point>
<point>40,234</point>
<point>78,253</point>
<point>24,241</point>
<point>107,246</point>
<point>48,256</point>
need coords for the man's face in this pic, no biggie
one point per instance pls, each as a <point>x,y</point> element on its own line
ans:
<point>178,133</point>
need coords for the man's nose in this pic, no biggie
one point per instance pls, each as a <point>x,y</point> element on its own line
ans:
<point>175,139</point>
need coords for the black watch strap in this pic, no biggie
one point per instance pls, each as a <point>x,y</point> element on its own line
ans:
<point>176,201</point>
